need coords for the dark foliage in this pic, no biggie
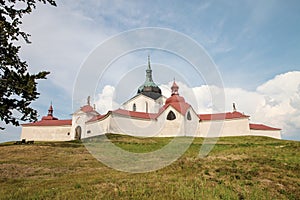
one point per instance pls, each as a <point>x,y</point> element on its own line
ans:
<point>18,88</point>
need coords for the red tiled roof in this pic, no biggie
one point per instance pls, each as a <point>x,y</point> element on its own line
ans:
<point>222,116</point>
<point>174,99</point>
<point>181,107</point>
<point>49,117</point>
<point>263,127</point>
<point>87,108</point>
<point>135,114</point>
<point>99,117</point>
<point>50,123</point>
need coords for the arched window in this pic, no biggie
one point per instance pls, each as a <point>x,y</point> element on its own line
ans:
<point>134,107</point>
<point>146,107</point>
<point>171,115</point>
<point>189,117</point>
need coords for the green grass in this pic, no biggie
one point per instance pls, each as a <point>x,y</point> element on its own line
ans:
<point>236,168</point>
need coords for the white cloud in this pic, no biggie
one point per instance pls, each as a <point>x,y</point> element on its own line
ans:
<point>105,100</point>
<point>282,101</point>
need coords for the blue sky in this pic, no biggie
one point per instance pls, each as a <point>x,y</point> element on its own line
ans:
<point>254,44</point>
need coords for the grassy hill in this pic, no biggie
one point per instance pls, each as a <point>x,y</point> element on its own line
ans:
<point>237,168</point>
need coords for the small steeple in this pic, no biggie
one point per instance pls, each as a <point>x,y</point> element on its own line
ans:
<point>149,72</point>
<point>149,88</point>
<point>174,88</point>
<point>50,110</point>
<point>50,114</point>
<point>233,107</point>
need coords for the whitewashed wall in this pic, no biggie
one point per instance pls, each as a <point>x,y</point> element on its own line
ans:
<point>99,127</point>
<point>79,119</point>
<point>133,126</point>
<point>269,133</point>
<point>223,128</point>
<point>46,133</point>
<point>171,128</point>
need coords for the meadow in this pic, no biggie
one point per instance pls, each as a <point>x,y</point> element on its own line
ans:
<point>236,168</point>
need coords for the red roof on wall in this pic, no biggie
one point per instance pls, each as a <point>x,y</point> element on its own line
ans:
<point>87,108</point>
<point>222,116</point>
<point>263,127</point>
<point>98,117</point>
<point>127,113</point>
<point>181,107</point>
<point>50,123</point>
<point>135,114</point>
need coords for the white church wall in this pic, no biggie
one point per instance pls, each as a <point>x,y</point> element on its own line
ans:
<point>236,127</point>
<point>99,127</point>
<point>133,126</point>
<point>143,104</point>
<point>171,128</point>
<point>268,133</point>
<point>78,120</point>
<point>46,133</point>
<point>223,128</point>
<point>191,123</point>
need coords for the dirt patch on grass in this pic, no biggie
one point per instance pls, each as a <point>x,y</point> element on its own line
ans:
<point>230,157</point>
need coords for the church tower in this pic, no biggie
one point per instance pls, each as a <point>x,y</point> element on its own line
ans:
<point>50,114</point>
<point>149,88</point>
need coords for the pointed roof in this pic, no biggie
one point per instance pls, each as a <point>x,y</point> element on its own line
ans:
<point>175,88</point>
<point>176,101</point>
<point>50,114</point>
<point>87,108</point>
<point>175,97</point>
<point>149,88</point>
<point>50,120</point>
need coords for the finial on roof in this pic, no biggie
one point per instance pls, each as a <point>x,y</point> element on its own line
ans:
<point>89,100</point>
<point>234,108</point>
<point>149,66</point>
<point>149,72</point>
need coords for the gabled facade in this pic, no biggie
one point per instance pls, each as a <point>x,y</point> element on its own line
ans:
<point>143,103</point>
<point>79,118</point>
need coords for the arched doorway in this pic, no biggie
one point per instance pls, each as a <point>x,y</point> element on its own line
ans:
<point>78,133</point>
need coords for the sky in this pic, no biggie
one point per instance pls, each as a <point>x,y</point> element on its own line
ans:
<point>255,46</point>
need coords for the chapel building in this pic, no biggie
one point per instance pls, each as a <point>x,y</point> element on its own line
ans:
<point>147,114</point>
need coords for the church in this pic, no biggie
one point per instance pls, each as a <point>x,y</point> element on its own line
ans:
<point>147,114</point>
